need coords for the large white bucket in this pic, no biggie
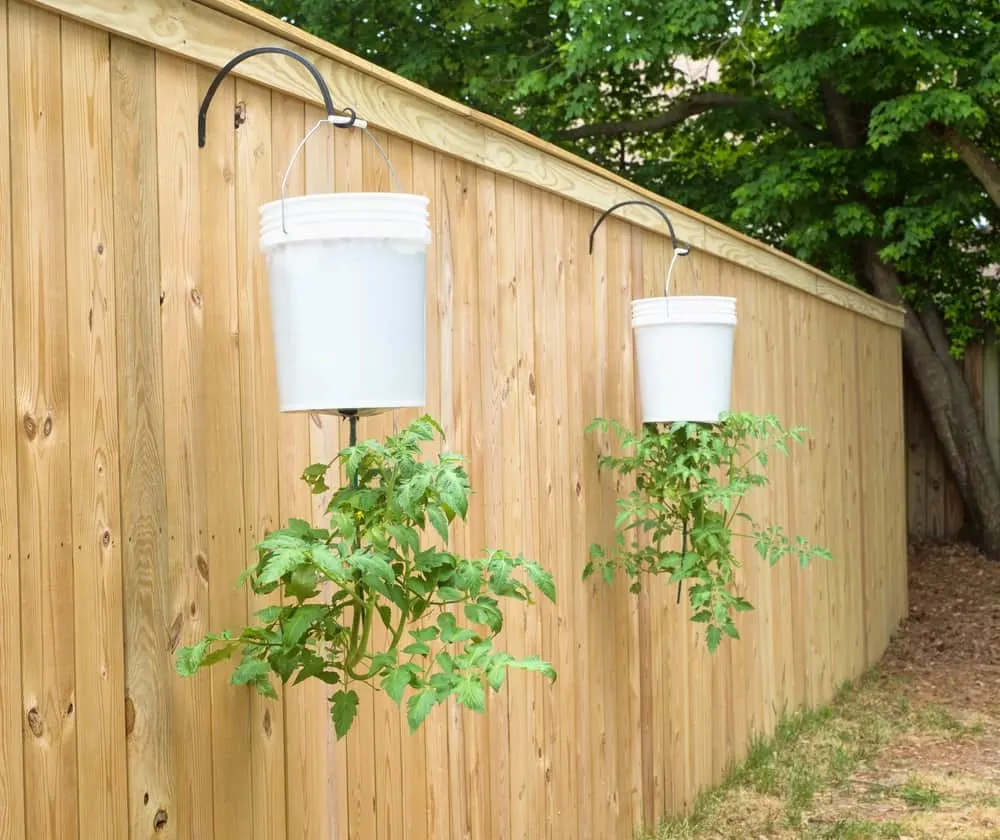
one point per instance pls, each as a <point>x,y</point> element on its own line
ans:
<point>684,356</point>
<point>347,278</point>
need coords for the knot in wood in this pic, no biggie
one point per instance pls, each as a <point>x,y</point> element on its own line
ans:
<point>35,723</point>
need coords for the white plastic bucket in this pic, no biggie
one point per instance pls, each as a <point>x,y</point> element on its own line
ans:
<point>684,356</point>
<point>347,278</point>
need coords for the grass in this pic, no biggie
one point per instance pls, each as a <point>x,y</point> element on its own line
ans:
<point>819,775</point>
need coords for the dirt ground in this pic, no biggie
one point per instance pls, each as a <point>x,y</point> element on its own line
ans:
<point>912,751</point>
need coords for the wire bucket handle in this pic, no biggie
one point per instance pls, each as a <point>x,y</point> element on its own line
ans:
<point>336,121</point>
<point>680,249</point>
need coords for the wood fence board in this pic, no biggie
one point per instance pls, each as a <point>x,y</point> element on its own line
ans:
<point>44,424</point>
<point>177,94</point>
<point>11,703</point>
<point>97,567</point>
<point>148,664</point>
<point>219,416</point>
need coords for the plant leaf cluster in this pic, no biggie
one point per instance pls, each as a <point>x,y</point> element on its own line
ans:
<point>689,480</point>
<point>372,565</point>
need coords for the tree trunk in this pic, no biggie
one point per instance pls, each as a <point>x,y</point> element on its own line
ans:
<point>950,406</point>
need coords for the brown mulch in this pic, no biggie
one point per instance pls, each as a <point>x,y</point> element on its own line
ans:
<point>949,646</point>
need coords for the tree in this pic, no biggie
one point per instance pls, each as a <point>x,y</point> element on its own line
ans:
<point>862,136</point>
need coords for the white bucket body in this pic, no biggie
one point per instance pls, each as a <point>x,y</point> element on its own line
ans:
<point>347,278</point>
<point>684,356</point>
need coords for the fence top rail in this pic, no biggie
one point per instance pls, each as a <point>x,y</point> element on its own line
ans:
<point>211,32</point>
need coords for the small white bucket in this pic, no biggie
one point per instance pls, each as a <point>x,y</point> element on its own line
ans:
<point>684,356</point>
<point>347,278</point>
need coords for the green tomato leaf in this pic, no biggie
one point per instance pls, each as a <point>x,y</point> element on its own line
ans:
<point>470,694</point>
<point>344,708</point>
<point>395,681</point>
<point>419,706</point>
<point>439,521</point>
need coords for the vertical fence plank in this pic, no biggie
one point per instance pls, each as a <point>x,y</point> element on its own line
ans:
<point>317,784</point>
<point>97,537</point>
<point>852,551</point>
<point>360,767</point>
<point>411,818</point>
<point>493,770</point>
<point>148,666</point>
<point>527,780</point>
<point>550,492</point>
<point>618,399</point>
<point>595,337</point>
<point>259,429</point>
<point>385,715</point>
<point>574,593</point>
<point>799,385</point>
<point>511,362</point>
<point>219,414</point>
<point>306,712</point>
<point>458,256</point>
<point>470,438</point>
<point>177,97</point>
<point>11,712</point>
<point>425,791</point>
<point>43,423</point>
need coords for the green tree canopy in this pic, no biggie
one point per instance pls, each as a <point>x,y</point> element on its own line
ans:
<point>861,136</point>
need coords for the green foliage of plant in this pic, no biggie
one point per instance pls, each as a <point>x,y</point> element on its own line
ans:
<point>690,479</point>
<point>373,564</point>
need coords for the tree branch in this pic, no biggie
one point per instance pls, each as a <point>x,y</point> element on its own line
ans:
<point>986,170</point>
<point>683,109</point>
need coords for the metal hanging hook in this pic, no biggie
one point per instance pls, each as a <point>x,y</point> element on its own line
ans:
<point>680,249</point>
<point>332,117</point>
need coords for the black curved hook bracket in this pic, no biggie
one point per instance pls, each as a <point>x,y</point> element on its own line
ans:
<point>678,248</point>
<point>243,56</point>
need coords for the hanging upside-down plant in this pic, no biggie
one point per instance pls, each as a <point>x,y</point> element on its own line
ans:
<point>380,568</point>
<point>690,480</point>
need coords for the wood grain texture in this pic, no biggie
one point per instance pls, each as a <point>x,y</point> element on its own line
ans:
<point>425,793</point>
<point>307,716</point>
<point>11,708</point>
<point>219,418</point>
<point>42,376</point>
<point>145,554</point>
<point>494,766</point>
<point>255,185</point>
<point>316,787</point>
<point>97,535</point>
<point>213,31</point>
<point>182,322</point>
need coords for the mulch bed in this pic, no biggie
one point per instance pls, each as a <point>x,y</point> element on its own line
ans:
<point>949,646</point>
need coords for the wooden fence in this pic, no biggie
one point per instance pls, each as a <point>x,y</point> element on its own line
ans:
<point>933,502</point>
<point>142,455</point>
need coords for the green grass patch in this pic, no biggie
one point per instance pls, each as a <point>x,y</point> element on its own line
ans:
<point>918,795</point>
<point>778,786</point>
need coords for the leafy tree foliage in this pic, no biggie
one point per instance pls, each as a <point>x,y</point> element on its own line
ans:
<point>862,136</point>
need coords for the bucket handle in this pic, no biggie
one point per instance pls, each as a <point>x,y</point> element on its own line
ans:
<point>397,185</point>
<point>680,249</point>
